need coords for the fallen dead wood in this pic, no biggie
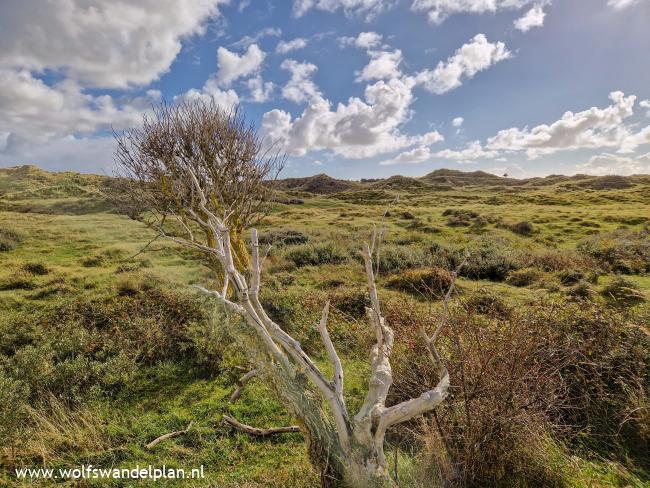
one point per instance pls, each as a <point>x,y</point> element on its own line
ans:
<point>168,436</point>
<point>241,383</point>
<point>256,430</point>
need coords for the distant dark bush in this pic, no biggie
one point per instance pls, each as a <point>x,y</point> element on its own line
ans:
<point>350,301</point>
<point>396,258</point>
<point>570,276</point>
<point>316,254</point>
<point>38,269</point>
<point>428,282</point>
<point>523,277</point>
<point>459,217</point>
<point>407,215</point>
<point>487,303</point>
<point>17,281</point>
<point>9,239</point>
<point>522,228</point>
<point>281,237</point>
<point>580,289</point>
<point>623,251</point>
<point>489,260</point>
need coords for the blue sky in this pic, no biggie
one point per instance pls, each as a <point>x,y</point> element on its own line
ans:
<point>352,88</point>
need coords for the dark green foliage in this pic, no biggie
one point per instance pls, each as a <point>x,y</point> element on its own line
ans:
<point>570,276</point>
<point>487,303</point>
<point>99,346</point>
<point>316,254</point>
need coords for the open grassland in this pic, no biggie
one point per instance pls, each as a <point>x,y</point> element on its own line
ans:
<point>104,346</point>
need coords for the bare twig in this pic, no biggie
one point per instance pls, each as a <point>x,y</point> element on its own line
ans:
<point>241,383</point>
<point>170,435</point>
<point>258,431</point>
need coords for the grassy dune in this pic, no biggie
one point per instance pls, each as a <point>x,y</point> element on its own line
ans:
<point>104,347</point>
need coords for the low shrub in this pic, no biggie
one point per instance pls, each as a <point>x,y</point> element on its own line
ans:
<point>623,251</point>
<point>283,237</point>
<point>622,292</point>
<point>524,228</point>
<point>316,254</point>
<point>523,277</point>
<point>9,239</point>
<point>38,269</point>
<point>427,282</point>
<point>487,303</point>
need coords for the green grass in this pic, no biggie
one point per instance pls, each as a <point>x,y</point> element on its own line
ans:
<point>68,229</point>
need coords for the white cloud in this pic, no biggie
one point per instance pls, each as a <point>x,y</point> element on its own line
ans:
<point>533,18</point>
<point>609,164</point>
<point>285,47</point>
<point>438,10</point>
<point>260,90</point>
<point>69,153</point>
<point>300,87</point>
<point>414,156</point>
<point>622,4</point>
<point>477,55</point>
<point>472,152</point>
<point>233,66</point>
<point>246,41</point>
<point>592,128</point>
<point>645,104</point>
<point>457,122</point>
<point>103,43</point>
<point>369,8</point>
<point>382,65</point>
<point>358,129</point>
<point>33,112</point>
<point>365,40</point>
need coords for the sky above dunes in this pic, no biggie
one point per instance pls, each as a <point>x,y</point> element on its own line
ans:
<point>352,88</point>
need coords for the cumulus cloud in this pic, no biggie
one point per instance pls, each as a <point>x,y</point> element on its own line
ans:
<point>111,43</point>
<point>472,152</point>
<point>260,90</point>
<point>285,47</point>
<point>365,40</point>
<point>414,156</point>
<point>622,4</point>
<point>533,18</point>
<point>233,66</point>
<point>592,128</point>
<point>609,164</point>
<point>356,129</point>
<point>457,122</point>
<point>300,87</point>
<point>645,104</point>
<point>369,8</point>
<point>382,65</point>
<point>438,10</point>
<point>34,112</point>
<point>475,56</point>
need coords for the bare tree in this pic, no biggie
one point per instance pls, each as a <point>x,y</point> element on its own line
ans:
<point>203,168</point>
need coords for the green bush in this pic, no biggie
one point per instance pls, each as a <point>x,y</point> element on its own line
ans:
<point>523,277</point>
<point>428,282</point>
<point>624,251</point>
<point>522,228</point>
<point>286,237</point>
<point>316,254</point>
<point>9,239</point>
<point>38,269</point>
